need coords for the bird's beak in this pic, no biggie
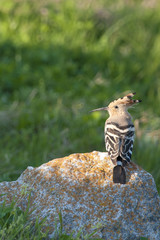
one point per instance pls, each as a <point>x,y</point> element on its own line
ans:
<point>100,109</point>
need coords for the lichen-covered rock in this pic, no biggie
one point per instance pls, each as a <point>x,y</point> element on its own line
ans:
<point>81,187</point>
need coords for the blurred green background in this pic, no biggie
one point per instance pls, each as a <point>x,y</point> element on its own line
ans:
<point>61,59</point>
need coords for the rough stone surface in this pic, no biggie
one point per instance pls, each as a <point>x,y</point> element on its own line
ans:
<point>81,187</point>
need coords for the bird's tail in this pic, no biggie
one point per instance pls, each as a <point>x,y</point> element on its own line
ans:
<point>119,173</point>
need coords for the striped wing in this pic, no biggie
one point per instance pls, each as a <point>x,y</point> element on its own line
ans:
<point>119,141</point>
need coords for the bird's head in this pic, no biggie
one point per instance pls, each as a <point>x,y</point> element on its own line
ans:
<point>119,106</point>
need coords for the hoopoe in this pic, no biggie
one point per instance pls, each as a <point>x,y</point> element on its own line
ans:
<point>119,134</point>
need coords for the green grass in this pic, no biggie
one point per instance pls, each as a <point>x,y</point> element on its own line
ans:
<point>15,224</point>
<point>61,59</point>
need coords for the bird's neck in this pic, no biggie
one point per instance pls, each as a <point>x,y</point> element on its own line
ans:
<point>122,119</point>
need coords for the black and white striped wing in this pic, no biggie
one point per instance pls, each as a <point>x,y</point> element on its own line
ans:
<point>112,146</point>
<point>119,141</point>
<point>113,141</point>
<point>127,145</point>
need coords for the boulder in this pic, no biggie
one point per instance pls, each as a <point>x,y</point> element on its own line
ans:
<point>80,186</point>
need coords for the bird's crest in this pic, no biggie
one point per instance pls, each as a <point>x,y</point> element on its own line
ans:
<point>126,100</point>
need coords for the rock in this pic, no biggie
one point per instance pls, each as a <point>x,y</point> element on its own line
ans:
<point>81,187</point>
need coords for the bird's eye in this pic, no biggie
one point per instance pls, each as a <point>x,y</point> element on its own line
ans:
<point>116,107</point>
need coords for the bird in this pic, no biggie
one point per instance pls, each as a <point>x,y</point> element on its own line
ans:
<point>119,134</point>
